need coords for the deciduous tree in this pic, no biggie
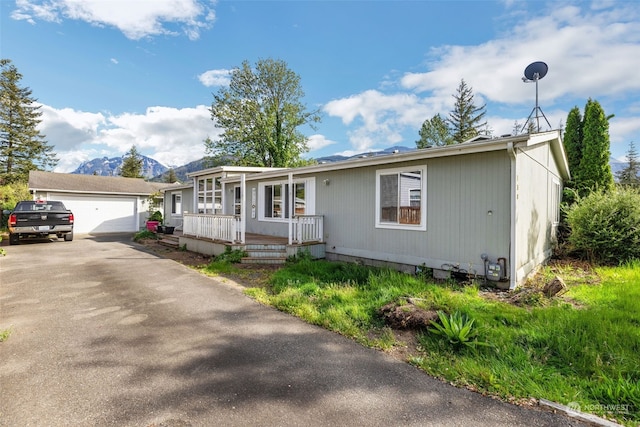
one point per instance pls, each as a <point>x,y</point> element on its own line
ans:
<point>261,113</point>
<point>434,133</point>
<point>22,147</point>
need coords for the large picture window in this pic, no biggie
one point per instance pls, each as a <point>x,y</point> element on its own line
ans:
<point>400,198</point>
<point>275,203</point>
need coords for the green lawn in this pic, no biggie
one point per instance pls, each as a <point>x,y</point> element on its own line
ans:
<point>582,347</point>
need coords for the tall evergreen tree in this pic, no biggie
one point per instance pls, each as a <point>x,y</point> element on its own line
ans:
<point>573,139</point>
<point>630,175</point>
<point>22,147</point>
<point>465,120</point>
<point>434,133</point>
<point>594,171</point>
<point>131,164</point>
<point>171,176</point>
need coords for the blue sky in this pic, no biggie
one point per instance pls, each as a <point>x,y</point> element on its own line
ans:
<point>113,73</point>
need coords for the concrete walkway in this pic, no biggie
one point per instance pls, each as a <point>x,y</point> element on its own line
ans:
<point>106,334</point>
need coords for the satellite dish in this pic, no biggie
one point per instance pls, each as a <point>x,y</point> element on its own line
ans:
<point>536,70</point>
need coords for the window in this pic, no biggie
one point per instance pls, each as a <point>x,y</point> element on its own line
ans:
<point>176,203</point>
<point>400,201</point>
<point>237,201</point>
<point>556,196</point>
<point>276,204</point>
<point>209,195</point>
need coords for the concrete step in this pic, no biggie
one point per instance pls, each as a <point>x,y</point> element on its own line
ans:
<point>169,240</point>
<point>263,260</point>
<point>266,253</point>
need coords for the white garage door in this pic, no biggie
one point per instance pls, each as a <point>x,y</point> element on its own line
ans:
<point>100,214</point>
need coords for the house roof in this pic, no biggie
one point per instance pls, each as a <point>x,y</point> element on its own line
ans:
<point>475,145</point>
<point>73,183</point>
<point>231,169</point>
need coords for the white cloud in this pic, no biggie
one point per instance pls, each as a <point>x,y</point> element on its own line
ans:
<point>170,135</point>
<point>381,118</point>
<point>68,129</point>
<point>136,19</point>
<point>114,61</point>
<point>215,78</point>
<point>317,142</point>
<point>591,52</point>
<point>587,53</point>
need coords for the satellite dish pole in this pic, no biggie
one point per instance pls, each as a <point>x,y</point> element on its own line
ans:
<point>534,72</point>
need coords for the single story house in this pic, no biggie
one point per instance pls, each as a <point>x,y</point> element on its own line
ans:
<point>100,204</point>
<point>488,207</point>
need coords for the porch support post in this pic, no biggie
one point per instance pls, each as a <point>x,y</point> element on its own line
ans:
<point>194,204</point>
<point>291,206</point>
<point>243,211</point>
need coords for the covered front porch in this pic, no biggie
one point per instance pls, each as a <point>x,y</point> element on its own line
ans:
<point>213,234</point>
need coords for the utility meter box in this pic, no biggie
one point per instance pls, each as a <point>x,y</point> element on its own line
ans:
<point>494,272</point>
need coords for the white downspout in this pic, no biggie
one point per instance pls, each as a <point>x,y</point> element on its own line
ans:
<point>243,211</point>
<point>513,217</point>
<point>291,204</point>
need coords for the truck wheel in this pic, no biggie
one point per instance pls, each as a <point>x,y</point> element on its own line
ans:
<point>68,237</point>
<point>14,239</point>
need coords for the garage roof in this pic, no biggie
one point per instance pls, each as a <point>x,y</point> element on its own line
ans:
<point>73,183</point>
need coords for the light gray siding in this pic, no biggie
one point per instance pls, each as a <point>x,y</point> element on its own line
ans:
<point>536,172</point>
<point>467,205</point>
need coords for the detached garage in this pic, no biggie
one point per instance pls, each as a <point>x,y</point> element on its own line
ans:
<point>99,204</point>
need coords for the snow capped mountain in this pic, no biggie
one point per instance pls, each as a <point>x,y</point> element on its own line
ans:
<point>111,167</point>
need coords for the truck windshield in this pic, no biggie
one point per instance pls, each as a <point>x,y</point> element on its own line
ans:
<point>40,206</point>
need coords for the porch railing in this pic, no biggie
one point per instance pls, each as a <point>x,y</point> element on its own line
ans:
<point>307,228</point>
<point>227,228</point>
<point>215,227</point>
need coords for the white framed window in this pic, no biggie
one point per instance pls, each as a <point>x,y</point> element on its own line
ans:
<point>237,200</point>
<point>274,201</point>
<point>556,197</point>
<point>209,195</point>
<point>401,198</point>
<point>176,203</point>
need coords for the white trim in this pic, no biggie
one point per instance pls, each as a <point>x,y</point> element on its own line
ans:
<point>292,204</point>
<point>423,198</point>
<point>310,196</point>
<point>514,195</point>
<point>178,212</point>
<point>243,207</point>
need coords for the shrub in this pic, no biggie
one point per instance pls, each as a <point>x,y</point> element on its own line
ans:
<point>458,329</point>
<point>156,216</point>
<point>231,256</point>
<point>605,226</point>
<point>144,234</point>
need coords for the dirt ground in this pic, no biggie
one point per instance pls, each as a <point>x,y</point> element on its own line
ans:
<point>188,258</point>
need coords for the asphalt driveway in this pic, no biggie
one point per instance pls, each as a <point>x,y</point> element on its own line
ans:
<point>105,333</point>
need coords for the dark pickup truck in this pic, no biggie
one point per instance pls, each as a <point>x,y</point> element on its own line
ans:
<point>39,218</point>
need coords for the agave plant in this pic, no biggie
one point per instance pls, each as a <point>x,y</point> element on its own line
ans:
<point>458,329</point>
